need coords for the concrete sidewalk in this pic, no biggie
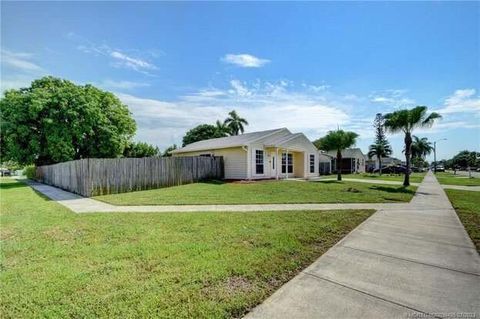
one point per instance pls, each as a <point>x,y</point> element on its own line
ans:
<point>400,263</point>
<point>79,204</point>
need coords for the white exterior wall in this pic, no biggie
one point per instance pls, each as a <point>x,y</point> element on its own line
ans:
<point>240,161</point>
<point>302,144</point>
<point>234,159</point>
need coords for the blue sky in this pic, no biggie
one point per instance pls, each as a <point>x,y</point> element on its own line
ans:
<point>311,67</point>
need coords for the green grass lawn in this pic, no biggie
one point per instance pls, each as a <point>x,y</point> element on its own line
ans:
<point>450,179</point>
<point>265,192</point>
<point>414,177</point>
<point>58,264</point>
<point>467,206</point>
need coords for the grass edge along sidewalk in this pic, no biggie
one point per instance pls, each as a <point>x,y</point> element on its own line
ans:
<point>467,206</point>
<point>264,192</point>
<point>216,265</point>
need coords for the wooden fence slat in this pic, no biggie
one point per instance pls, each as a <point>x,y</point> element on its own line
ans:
<point>99,176</point>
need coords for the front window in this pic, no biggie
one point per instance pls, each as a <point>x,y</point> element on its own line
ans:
<point>287,163</point>
<point>312,163</point>
<point>258,162</point>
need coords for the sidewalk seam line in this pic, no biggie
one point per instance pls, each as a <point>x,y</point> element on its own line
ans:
<point>368,293</point>
<point>412,261</point>
<point>413,238</point>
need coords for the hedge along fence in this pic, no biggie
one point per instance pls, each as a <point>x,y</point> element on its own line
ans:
<point>97,176</point>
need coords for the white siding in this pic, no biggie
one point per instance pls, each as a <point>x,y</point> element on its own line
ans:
<point>303,144</point>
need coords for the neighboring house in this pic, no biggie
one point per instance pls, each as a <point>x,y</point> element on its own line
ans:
<point>372,164</point>
<point>325,163</point>
<point>258,155</point>
<point>353,160</point>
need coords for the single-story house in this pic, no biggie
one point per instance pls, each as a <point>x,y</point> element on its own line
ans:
<point>258,155</point>
<point>372,163</point>
<point>353,161</point>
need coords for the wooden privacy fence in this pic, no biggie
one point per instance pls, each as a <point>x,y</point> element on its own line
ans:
<point>98,176</point>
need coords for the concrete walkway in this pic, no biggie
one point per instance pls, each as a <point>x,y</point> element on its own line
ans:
<point>415,261</point>
<point>79,204</point>
<point>385,182</point>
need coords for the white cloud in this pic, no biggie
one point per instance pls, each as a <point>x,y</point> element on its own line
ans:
<point>395,98</point>
<point>123,85</point>
<point>123,60</point>
<point>461,101</point>
<point>119,58</point>
<point>20,61</point>
<point>265,105</point>
<point>245,60</point>
<point>238,88</point>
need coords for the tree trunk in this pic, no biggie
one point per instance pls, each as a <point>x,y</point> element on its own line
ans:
<point>339,165</point>
<point>380,165</point>
<point>408,149</point>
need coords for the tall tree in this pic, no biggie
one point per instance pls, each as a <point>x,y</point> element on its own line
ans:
<point>235,123</point>
<point>337,141</point>
<point>466,158</point>
<point>200,133</point>
<point>379,150</point>
<point>222,128</point>
<point>421,147</point>
<point>55,120</point>
<point>381,147</point>
<point>406,121</point>
<point>140,149</point>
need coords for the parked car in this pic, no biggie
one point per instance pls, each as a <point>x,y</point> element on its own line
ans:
<point>5,172</point>
<point>440,168</point>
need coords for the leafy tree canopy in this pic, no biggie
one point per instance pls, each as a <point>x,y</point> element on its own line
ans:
<point>235,123</point>
<point>55,120</point>
<point>140,149</point>
<point>421,147</point>
<point>337,141</point>
<point>466,159</point>
<point>406,121</point>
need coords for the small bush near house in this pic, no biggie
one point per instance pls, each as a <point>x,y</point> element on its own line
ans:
<point>29,171</point>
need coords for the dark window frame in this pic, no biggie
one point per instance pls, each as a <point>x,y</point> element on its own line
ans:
<point>259,162</point>
<point>312,163</point>
<point>290,163</point>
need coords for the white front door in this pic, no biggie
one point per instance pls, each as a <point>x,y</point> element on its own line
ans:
<point>273,165</point>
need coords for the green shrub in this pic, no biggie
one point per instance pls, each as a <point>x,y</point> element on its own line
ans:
<point>30,171</point>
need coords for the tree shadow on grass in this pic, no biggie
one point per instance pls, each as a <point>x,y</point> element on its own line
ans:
<point>213,182</point>
<point>329,182</point>
<point>11,184</point>
<point>392,189</point>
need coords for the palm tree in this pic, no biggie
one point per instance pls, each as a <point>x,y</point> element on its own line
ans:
<point>421,147</point>
<point>222,129</point>
<point>337,141</point>
<point>235,123</point>
<point>380,150</point>
<point>406,121</point>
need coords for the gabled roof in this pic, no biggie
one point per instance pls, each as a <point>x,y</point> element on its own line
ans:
<point>348,153</point>
<point>231,141</point>
<point>274,141</point>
